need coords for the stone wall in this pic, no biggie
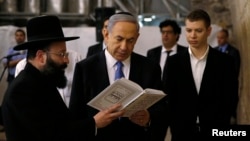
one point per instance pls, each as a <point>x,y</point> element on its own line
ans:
<point>241,29</point>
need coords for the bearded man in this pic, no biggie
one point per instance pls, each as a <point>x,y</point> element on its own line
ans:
<point>33,109</point>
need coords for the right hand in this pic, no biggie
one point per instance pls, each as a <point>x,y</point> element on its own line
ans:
<point>105,117</point>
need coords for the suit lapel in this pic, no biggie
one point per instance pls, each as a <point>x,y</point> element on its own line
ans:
<point>101,72</point>
<point>135,68</point>
<point>208,68</point>
<point>158,54</point>
<point>188,70</point>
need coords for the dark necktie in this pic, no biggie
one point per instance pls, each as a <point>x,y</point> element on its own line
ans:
<point>118,73</point>
<point>168,54</point>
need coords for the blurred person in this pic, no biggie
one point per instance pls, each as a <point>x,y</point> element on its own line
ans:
<point>32,106</point>
<point>95,73</point>
<point>14,56</point>
<point>102,45</point>
<point>225,47</point>
<point>200,83</point>
<point>170,34</point>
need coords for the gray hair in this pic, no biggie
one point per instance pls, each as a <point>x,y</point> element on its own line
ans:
<point>122,17</point>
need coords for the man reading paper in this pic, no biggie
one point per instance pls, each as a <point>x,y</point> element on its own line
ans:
<point>97,72</point>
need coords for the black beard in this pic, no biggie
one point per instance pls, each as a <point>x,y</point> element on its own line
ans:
<point>55,73</point>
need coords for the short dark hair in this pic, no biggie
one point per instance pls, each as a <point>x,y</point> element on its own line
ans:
<point>172,23</point>
<point>199,14</point>
<point>20,30</point>
<point>225,31</point>
<point>31,53</point>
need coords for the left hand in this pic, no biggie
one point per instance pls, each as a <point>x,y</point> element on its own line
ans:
<point>140,117</point>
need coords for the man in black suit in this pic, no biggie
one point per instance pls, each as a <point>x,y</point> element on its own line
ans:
<point>225,47</point>
<point>95,73</point>
<point>33,109</point>
<point>201,84</point>
<point>170,34</point>
<point>102,45</point>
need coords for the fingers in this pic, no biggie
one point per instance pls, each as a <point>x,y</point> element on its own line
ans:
<point>105,117</point>
<point>141,118</point>
<point>114,108</point>
<point>115,111</point>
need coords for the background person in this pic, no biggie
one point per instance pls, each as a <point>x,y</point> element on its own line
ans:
<point>12,61</point>
<point>170,34</point>
<point>225,47</point>
<point>102,45</point>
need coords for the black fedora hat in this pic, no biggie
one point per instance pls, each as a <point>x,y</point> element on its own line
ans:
<point>43,29</point>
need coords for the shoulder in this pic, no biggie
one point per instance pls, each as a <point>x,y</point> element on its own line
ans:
<point>232,47</point>
<point>93,59</point>
<point>95,46</point>
<point>181,48</point>
<point>142,60</point>
<point>155,49</point>
<point>218,56</point>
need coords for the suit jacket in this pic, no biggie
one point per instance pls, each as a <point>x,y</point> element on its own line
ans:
<point>33,110</point>
<point>234,52</point>
<point>155,53</point>
<point>95,49</point>
<point>91,77</point>
<point>214,102</point>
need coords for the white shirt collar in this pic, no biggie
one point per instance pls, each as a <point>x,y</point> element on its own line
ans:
<point>203,57</point>
<point>174,49</point>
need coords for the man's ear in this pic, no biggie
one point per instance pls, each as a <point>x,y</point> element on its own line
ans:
<point>41,56</point>
<point>106,35</point>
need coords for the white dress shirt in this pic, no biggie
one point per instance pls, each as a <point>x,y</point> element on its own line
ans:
<point>198,67</point>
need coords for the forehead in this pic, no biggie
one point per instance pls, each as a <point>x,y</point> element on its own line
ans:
<point>169,27</point>
<point>221,33</point>
<point>195,24</point>
<point>125,28</point>
<point>106,22</point>
<point>19,33</point>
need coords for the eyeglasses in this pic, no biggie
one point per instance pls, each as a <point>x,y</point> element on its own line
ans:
<point>62,54</point>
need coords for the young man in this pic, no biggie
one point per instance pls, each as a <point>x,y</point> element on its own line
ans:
<point>32,106</point>
<point>201,84</point>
